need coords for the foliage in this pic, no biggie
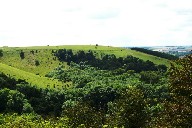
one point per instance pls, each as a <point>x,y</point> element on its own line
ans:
<point>102,89</point>
<point>178,108</point>
<point>82,113</point>
<point>7,82</point>
<point>99,96</point>
<point>150,77</point>
<point>128,110</point>
<point>107,62</point>
<point>31,121</point>
<point>44,101</point>
<point>12,100</point>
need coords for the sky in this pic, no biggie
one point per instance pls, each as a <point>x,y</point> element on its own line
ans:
<point>105,22</point>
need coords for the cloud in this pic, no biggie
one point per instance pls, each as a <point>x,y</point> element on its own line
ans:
<point>72,9</point>
<point>105,14</point>
<point>107,22</point>
<point>184,12</point>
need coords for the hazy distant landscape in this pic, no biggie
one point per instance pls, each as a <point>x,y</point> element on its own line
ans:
<point>178,51</point>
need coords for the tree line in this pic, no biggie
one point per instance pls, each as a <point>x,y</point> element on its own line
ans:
<point>155,53</point>
<point>107,62</point>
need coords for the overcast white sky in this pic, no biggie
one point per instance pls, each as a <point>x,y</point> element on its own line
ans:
<point>104,22</point>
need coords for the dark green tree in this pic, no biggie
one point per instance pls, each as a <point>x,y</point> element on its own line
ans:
<point>1,52</point>
<point>22,55</point>
<point>150,77</point>
<point>82,113</point>
<point>12,100</point>
<point>99,96</point>
<point>128,110</point>
<point>178,109</point>
<point>37,63</point>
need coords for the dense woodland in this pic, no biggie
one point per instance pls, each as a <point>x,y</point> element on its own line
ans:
<point>107,91</point>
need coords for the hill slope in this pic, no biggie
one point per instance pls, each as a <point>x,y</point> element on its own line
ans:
<point>29,77</point>
<point>47,61</point>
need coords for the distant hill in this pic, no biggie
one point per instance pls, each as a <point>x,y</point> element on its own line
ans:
<point>33,63</point>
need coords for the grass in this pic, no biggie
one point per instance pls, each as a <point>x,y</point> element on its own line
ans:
<point>47,61</point>
<point>31,78</point>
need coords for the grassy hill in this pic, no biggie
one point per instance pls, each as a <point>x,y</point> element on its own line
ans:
<point>41,81</point>
<point>12,64</point>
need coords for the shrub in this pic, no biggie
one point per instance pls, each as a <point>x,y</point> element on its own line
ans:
<point>1,53</point>
<point>37,63</point>
<point>22,55</point>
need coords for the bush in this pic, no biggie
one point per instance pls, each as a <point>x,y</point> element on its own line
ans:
<point>37,63</point>
<point>22,55</point>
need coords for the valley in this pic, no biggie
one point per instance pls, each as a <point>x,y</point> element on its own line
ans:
<point>91,86</point>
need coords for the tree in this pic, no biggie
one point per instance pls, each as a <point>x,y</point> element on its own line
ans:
<point>128,110</point>
<point>83,114</point>
<point>1,53</point>
<point>12,100</point>
<point>178,109</point>
<point>37,63</point>
<point>99,96</point>
<point>22,55</point>
<point>32,52</point>
<point>181,92</point>
<point>150,77</point>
